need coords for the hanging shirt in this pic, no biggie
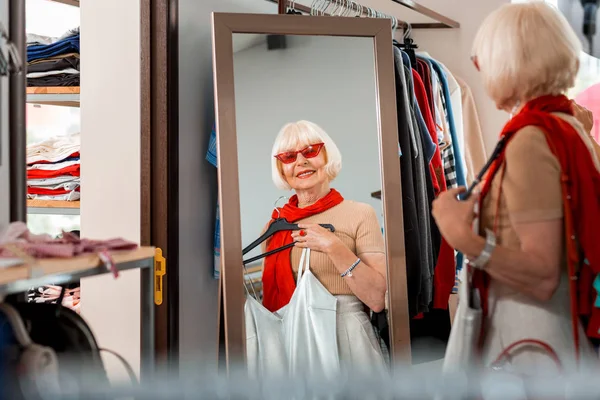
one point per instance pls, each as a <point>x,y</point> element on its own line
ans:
<point>460,173</point>
<point>423,204</point>
<point>475,154</point>
<point>415,264</point>
<point>211,157</point>
<point>435,165</point>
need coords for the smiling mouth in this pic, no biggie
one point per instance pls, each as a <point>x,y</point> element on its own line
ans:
<point>305,174</point>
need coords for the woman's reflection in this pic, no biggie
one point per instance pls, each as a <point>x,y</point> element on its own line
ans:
<point>350,263</point>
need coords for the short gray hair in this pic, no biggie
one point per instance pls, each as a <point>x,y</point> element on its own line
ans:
<point>526,50</point>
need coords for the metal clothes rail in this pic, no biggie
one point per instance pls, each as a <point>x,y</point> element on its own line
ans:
<point>442,22</point>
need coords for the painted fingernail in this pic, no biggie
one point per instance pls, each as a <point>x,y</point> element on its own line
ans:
<point>302,232</point>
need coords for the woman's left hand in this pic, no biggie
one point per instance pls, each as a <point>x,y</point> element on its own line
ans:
<point>315,237</point>
<point>583,115</point>
<point>454,217</point>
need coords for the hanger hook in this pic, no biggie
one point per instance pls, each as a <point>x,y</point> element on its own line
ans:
<point>345,9</point>
<point>318,6</point>
<point>336,7</point>
<point>322,4</point>
<point>354,9</point>
<point>327,4</point>
<point>277,208</point>
<point>312,7</point>
<point>407,30</point>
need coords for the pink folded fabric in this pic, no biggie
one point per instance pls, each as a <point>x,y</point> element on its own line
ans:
<point>44,246</point>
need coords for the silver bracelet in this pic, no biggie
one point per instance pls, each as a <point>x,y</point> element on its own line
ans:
<point>484,257</point>
<point>348,272</point>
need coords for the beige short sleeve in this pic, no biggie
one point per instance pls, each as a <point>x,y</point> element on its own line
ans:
<point>369,238</point>
<point>531,184</point>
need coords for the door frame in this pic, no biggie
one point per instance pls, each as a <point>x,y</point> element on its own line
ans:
<point>159,115</point>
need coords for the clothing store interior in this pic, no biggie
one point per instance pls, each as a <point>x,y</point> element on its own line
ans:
<point>313,189</point>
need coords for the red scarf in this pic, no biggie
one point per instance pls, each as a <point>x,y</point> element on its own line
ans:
<point>278,279</point>
<point>580,183</point>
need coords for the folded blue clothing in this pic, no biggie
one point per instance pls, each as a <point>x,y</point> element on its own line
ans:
<point>64,46</point>
<point>66,159</point>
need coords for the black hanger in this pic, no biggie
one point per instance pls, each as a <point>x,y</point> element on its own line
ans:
<point>409,47</point>
<point>280,224</point>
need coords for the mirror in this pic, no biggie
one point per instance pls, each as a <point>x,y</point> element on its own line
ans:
<point>292,93</point>
<point>310,150</point>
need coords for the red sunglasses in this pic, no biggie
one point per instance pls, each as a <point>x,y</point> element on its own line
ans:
<point>308,152</point>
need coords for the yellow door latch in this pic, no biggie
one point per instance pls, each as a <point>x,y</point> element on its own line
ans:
<point>160,270</point>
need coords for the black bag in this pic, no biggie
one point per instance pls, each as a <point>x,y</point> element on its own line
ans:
<point>63,332</point>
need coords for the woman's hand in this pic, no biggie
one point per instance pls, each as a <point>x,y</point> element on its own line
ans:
<point>454,217</point>
<point>585,116</point>
<point>315,237</point>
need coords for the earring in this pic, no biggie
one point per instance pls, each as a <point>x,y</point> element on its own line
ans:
<point>515,108</point>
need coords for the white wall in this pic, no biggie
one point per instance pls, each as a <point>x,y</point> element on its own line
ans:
<point>309,80</point>
<point>110,167</point>
<point>198,178</point>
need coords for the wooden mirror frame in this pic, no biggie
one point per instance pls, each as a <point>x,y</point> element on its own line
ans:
<point>232,275</point>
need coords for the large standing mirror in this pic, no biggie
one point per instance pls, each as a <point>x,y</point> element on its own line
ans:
<point>312,245</point>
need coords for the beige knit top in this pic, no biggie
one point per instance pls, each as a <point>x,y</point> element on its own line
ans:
<point>357,226</point>
<point>531,187</point>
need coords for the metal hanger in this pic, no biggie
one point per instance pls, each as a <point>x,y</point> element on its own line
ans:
<point>292,8</point>
<point>407,30</point>
<point>313,7</point>
<point>325,6</point>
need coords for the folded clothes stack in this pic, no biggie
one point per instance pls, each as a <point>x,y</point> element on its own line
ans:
<point>53,169</point>
<point>53,61</point>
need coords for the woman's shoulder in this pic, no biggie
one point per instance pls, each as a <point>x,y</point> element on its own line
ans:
<point>357,207</point>
<point>529,145</point>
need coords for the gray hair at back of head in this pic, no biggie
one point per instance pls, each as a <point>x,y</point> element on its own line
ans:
<point>526,50</point>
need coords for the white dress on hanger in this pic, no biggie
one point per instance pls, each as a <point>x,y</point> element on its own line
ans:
<point>316,333</point>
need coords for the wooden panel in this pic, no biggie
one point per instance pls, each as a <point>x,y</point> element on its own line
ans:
<point>54,90</point>
<point>159,143</point>
<point>53,203</point>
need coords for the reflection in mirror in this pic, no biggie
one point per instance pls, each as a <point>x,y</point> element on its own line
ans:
<point>307,130</point>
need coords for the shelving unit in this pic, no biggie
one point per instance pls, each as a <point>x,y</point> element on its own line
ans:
<point>53,207</point>
<point>54,96</point>
<point>63,96</point>
<point>59,271</point>
<point>64,270</point>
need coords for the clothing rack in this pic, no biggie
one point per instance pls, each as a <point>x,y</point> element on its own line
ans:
<point>442,22</point>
